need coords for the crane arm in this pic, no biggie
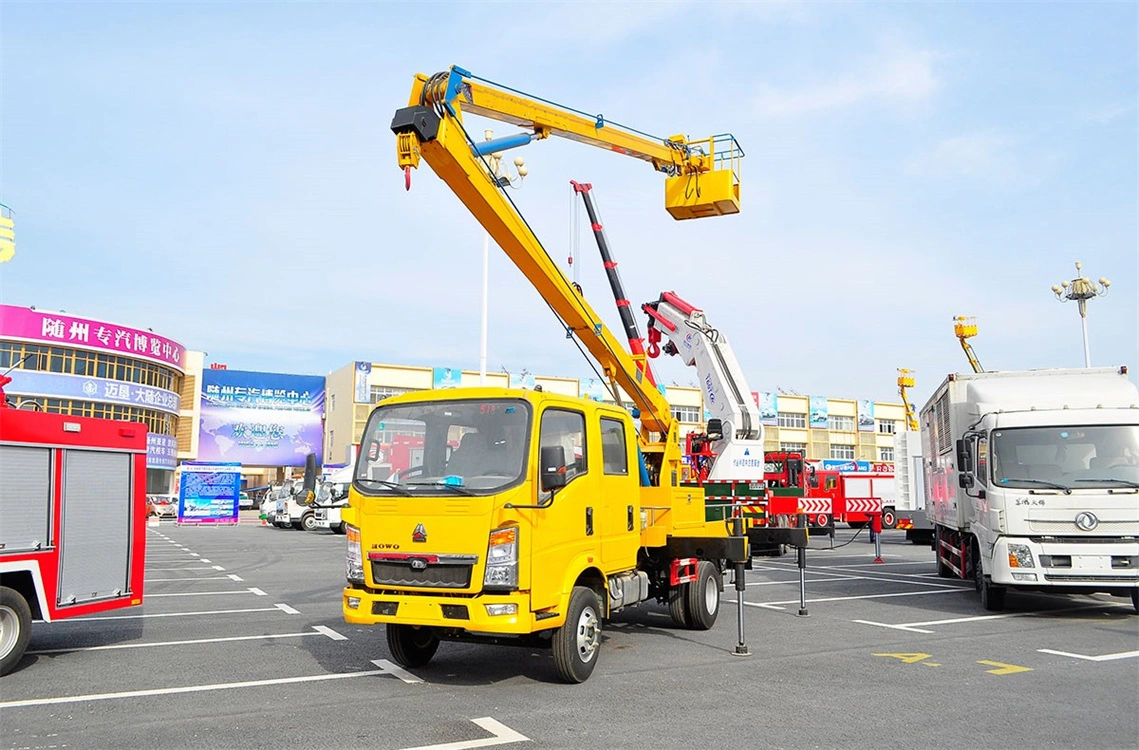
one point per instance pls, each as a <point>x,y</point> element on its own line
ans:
<point>698,344</point>
<point>965,328</point>
<point>906,381</point>
<point>431,129</point>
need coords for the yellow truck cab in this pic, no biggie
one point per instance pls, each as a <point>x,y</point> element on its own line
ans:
<point>526,515</point>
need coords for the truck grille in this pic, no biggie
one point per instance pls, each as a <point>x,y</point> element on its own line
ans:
<point>422,571</point>
<point>1108,528</point>
<point>1075,578</point>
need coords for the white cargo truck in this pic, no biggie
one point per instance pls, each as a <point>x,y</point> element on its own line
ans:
<point>910,513</point>
<point>1032,481</point>
<point>331,498</point>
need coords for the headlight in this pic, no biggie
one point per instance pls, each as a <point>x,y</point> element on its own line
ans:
<point>353,558</point>
<point>1020,556</point>
<point>502,559</point>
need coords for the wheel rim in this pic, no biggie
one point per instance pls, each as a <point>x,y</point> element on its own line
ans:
<point>9,630</point>
<point>711,596</point>
<point>588,634</point>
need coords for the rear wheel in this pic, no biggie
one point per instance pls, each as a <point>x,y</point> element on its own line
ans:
<point>702,602</point>
<point>15,628</point>
<point>889,518</point>
<point>577,642</point>
<point>412,646</point>
<point>676,598</point>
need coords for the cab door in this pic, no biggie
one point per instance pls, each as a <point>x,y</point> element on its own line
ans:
<point>570,526</point>
<point>619,498</point>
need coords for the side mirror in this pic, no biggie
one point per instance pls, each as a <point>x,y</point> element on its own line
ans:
<point>965,481</point>
<point>553,465</point>
<point>307,495</point>
<point>964,456</point>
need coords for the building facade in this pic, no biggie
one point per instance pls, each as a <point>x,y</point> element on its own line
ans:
<point>66,364</point>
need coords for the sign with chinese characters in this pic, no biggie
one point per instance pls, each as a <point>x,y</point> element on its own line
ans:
<point>45,327</point>
<point>850,467</point>
<point>361,392</point>
<point>161,451</point>
<point>820,417</point>
<point>446,377</point>
<point>78,387</point>
<point>261,418</point>
<point>209,492</point>
<point>865,416</point>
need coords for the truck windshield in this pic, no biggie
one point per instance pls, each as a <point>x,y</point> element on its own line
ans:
<point>1077,457</point>
<point>461,447</point>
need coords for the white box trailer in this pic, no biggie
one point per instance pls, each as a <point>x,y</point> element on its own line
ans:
<point>910,510</point>
<point>1032,481</point>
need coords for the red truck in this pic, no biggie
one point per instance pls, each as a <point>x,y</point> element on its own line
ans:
<point>73,503</point>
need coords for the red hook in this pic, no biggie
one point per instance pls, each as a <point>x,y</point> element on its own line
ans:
<point>407,178</point>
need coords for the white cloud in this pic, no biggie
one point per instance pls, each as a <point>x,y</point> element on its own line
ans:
<point>1107,113</point>
<point>990,155</point>
<point>898,77</point>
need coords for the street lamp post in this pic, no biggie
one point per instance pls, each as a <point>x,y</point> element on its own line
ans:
<point>501,175</point>
<point>1080,290</point>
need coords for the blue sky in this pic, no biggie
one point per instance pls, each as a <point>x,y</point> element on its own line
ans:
<point>224,173</point>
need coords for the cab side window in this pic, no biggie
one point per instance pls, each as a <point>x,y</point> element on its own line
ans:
<point>614,454</point>
<point>566,429</point>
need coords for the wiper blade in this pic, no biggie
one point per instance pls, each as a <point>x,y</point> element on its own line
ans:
<point>457,488</point>
<point>1040,482</point>
<point>1124,482</point>
<point>395,486</point>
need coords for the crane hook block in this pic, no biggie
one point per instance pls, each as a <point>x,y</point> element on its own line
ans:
<point>407,178</point>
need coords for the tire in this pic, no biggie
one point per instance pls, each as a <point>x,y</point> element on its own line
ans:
<point>308,521</point>
<point>889,518</point>
<point>577,643</point>
<point>992,597</point>
<point>676,608</point>
<point>340,528</point>
<point>702,600</point>
<point>15,628</point>
<point>412,646</point>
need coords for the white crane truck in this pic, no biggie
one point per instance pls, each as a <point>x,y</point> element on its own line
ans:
<point>1032,481</point>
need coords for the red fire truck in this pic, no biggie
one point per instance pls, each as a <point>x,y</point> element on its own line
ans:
<point>73,503</point>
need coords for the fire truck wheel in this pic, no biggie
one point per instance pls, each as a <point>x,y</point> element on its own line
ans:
<point>15,628</point>
<point>577,642</point>
<point>702,604</point>
<point>308,521</point>
<point>412,646</point>
<point>676,598</point>
<point>888,518</point>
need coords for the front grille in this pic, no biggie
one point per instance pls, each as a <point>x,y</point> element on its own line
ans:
<point>433,577</point>
<point>1090,579</point>
<point>1081,539</point>
<point>1069,527</point>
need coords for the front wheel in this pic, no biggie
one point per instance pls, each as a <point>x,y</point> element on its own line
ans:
<point>412,646</point>
<point>702,602</point>
<point>308,521</point>
<point>992,597</point>
<point>577,642</point>
<point>15,628</point>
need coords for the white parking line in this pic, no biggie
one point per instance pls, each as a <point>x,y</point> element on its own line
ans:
<point>917,627</point>
<point>500,735</point>
<point>287,609</point>
<point>317,630</point>
<point>186,689</point>
<point>254,591</point>
<point>395,671</point>
<point>188,578</point>
<point>1104,657</point>
<point>775,605</point>
<point>234,577</point>
<point>854,575</point>
<point>166,570</point>
<point>179,614</point>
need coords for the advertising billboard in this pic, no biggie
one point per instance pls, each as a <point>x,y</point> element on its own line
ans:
<point>446,377</point>
<point>865,416</point>
<point>593,389</point>
<point>819,413</point>
<point>261,418</point>
<point>82,388</point>
<point>44,327</point>
<point>524,380</point>
<point>209,492</point>
<point>363,394</point>
<point>765,402</point>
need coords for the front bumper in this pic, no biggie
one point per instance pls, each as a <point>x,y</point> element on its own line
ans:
<point>433,610</point>
<point>1107,566</point>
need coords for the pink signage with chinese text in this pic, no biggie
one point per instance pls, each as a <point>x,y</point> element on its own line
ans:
<point>46,327</point>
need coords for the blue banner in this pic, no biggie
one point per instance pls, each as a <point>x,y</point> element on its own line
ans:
<point>161,451</point>
<point>81,388</point>
<point>209,492</point>
<point>446,377</point>
<point>261,418</point>
<point>819,413</point>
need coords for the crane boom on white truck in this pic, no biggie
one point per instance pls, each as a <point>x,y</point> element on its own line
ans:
<point>739,443</point>
<point>1032,481</point>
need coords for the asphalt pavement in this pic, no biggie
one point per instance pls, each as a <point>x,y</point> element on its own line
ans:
<point>240,644</point>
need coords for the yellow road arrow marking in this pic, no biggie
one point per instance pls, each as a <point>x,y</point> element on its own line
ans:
<point>1004,668</point>
<point>907,658</point>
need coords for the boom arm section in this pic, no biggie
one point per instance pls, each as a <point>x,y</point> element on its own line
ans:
<point>432,129</point>
<point>739,451</point>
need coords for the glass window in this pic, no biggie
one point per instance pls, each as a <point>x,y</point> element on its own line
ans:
<point>566,429</point>
<point>793,448</point>
<point>1079,457</point>
<point>689,414</point>
<point>793,420</point>
<point>378,393</point>
<point>840,451</point>
<point>841,423</point>
<point>885,454</point>
<point>887,426</point>
<point>614,453</point>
